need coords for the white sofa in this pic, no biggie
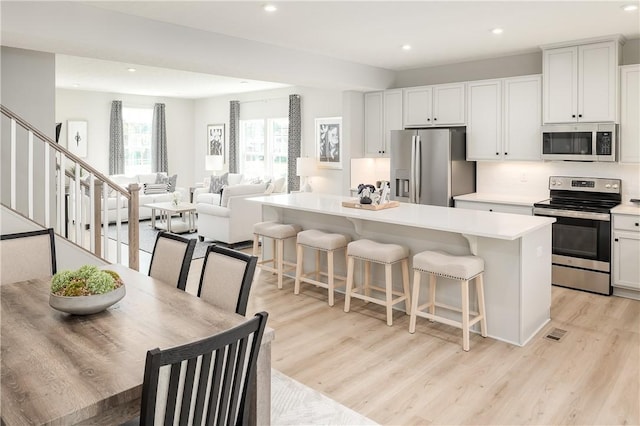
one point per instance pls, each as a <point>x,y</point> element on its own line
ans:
<point>229,217</point>
<point>141,179</point>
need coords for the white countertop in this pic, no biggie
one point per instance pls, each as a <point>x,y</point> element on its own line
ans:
<point>632,209</point>
<point>471,222</point>
<point>485,197</point>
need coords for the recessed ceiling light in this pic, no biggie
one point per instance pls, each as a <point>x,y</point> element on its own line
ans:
<point>406,47</point>
<point>497,30</point>
<point>630,7</point>
<point>131,69</point>
<point>269,8</point>
<point>76,85</point>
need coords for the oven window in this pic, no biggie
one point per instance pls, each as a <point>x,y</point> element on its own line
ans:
<point>570,143</point>
<point>575,238</point>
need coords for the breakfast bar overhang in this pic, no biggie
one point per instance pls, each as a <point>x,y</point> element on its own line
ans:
<point>516,249</point>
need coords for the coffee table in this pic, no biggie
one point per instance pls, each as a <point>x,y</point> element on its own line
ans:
<point>167,209</point>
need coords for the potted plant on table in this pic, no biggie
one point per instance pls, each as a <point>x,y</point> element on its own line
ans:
<point>85,291</point>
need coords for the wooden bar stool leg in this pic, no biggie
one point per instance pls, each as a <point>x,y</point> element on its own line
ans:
<point>299,267</point>
<point>317,265</point>
<point>279,261</point>
<point>388,277</point>
<point>256,244</point>
<point>481,311</point>
<point>465,315</point>
<point>274,254</point>
<point>414,301</point>
<point>432,294</point>
<point>330,273</point>
<point>405,286</point>
<point>347,294</point>
<point>367,276</point>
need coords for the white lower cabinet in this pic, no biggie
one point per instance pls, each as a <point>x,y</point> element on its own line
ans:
<point>495,207</point>
<point>626,251</point>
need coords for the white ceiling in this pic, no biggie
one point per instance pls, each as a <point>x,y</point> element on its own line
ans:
<point>361,32</point>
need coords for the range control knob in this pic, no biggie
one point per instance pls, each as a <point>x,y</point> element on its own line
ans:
<point>615,186</point>
<point>608,186</point>
<point>559,183</point>
<point>553,182</point>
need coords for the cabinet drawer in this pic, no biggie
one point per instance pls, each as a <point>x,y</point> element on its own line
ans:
<point>626,222</point>
<point>495,207</point>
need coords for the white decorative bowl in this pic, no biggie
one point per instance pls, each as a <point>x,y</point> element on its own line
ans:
<point>86,305</point>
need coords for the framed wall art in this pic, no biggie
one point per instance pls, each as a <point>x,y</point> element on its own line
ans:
<point>215,139</point>
<point>77,137</point>
<point>329,142</point>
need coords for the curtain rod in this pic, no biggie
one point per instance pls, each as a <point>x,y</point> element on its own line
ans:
<point>265,100</point>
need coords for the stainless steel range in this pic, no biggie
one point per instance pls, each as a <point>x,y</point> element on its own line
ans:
<point>581,235</point>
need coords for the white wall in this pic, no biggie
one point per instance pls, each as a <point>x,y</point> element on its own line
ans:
<point>315,103</point>
<point>95,108</point>
<point>532,178</point>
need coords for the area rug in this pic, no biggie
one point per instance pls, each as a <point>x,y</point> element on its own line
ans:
<point>293,403</point>
<point>148,237</point>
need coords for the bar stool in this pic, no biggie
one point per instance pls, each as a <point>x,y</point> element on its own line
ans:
<point>320,242</point>
<point>462,268</point>
<point>278,232</point>
<point>386,254</point>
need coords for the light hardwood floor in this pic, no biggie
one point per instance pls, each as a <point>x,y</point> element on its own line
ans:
<point>592,376</point>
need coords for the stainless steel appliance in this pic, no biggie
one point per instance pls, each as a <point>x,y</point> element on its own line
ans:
<point>580,142</point>
<point>581,235</point>
<point>429,166</point>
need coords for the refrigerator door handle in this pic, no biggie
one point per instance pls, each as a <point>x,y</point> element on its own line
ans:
<point>412,184</point>
<point>417,159</point>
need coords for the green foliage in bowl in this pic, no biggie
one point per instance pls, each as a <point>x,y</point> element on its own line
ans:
<point>86,281</point>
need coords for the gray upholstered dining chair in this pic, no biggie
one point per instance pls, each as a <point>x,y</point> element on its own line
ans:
<point>26,255</point>
<point>209,379</point>
<point>226,278</point>
<point>171,259</point>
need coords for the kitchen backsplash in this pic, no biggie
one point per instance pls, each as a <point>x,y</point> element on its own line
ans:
<point>533,177</point>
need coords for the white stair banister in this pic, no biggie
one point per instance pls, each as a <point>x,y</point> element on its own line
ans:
<point>47,185</point>
<point>30,174</point>
<point>13,156</point>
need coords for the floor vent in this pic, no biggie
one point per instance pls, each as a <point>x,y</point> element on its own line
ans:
<point>556,334</point>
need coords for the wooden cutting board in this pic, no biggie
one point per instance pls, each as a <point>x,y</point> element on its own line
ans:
<point>356,205</point>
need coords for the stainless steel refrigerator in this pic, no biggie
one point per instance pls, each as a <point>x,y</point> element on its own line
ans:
<point>429,166</point>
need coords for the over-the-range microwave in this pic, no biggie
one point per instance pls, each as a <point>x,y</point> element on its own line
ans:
<point>580,142</point>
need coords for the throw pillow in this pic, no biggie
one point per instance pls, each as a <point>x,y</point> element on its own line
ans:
<point>218,182</point>
<point>155,188</point>
<point>170,181</point>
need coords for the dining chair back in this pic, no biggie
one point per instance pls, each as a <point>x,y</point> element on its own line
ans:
<point>26,255</point>
<point>171,258</point>
<point>210,379</point>
<point>226,278</point>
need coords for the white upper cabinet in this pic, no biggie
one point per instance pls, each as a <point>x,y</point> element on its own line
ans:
<point>580,82</point>
<point>438,105</point>
<point>382,113</point>
<point>503,119</point>
<point>629,113</point>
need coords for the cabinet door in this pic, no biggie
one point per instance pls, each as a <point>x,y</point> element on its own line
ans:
<point>448,104</point>
<point>392,116</point>
<point>597,77</point>
<point>522,118</point>
<point>560,85</point>
<point>484,120</point>
<point>626,252</point>
<point>629,113</point>
<point>417,106</point>
<point>373,124</point>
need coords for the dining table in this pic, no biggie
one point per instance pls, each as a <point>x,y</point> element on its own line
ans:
<point>63,369</point>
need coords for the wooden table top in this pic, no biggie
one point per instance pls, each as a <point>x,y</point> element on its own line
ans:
<point>170,207</point>
<point>62,369</point>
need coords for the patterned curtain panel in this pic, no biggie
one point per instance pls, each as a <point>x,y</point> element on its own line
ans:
<point>116,140</point>
<point>159,156</point>
<point>234,135</point>
<point>295,126</point>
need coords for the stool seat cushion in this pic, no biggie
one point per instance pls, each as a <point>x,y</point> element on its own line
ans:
<point>322,240</point>
<point>443,263</point>
<point>276,230</point>
<point>377,252</point>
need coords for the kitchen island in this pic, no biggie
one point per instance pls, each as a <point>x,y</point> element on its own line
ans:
<point>516,250</point>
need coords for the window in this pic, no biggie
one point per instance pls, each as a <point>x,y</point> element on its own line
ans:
<point>264,145</point>
<point>136,126</point>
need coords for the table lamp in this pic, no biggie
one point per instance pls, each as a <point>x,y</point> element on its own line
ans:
<point>214,163</point>
<point>305,167</point>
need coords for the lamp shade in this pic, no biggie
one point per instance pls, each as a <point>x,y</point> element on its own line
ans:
<point>305,166</point>
<point>214,162</point>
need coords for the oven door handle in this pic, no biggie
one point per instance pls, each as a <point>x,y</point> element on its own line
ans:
<point>605,217</point>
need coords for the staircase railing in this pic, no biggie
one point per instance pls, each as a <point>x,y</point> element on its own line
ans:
<point>81,194</point>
